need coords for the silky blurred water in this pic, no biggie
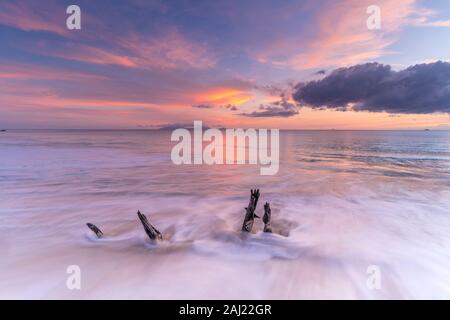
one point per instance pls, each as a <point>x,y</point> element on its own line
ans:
<point>341,202</point>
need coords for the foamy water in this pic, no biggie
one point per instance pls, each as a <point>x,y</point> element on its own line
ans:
<point>342,201</point>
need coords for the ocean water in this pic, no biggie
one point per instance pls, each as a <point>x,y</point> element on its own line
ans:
<point>342,201</point>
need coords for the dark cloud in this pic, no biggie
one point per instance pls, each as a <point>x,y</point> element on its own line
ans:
<point>202,106</point>
<point>231,107</point>
<point>321,72</point>
<point>271,89</point>
<point>207,106</point>
<point>419,89</point>
<point>174,126</point>
<point>282,108</point>
<point>166,126</point>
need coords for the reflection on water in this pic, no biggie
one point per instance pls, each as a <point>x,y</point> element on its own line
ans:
<point>342,200</point>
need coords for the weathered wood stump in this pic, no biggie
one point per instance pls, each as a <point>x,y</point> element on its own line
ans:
<point>250,211</point>
<point>151,231</point>
<point>95,229</point>
<point>266,218</point>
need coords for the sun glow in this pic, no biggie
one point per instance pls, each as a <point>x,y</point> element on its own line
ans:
<point>223,96</point>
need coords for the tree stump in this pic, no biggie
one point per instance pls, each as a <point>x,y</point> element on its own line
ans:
<point>266,218</point>
<point>96,230</point>
<point>151,231</point>
<point>250,211</point>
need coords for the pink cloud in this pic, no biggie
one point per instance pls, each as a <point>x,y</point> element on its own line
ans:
<point>341,36</point>
<point>48,99</point>
<point>88,54</point>
<point>16,71</point>
<point>31,17</point>
<point>164,50</point>
<point>170,50</point>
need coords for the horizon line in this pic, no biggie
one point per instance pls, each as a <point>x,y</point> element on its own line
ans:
<point>206,127</point>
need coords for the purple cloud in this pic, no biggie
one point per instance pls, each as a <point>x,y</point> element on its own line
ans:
<point>282,108</point>
<point>374,87</point>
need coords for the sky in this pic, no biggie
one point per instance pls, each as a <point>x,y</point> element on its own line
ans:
<point>291,64</point>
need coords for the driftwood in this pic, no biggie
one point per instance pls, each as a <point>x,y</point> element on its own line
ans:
<point>266,218</point>
<point>247,226</point>
<point>95,229</point>
<point>250,211</point>
<point>151,231</point>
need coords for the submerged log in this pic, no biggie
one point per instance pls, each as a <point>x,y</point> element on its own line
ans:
<point>95,229</point>
<point>250,211</point>
<point>266,218</point>
<point>151,231</point>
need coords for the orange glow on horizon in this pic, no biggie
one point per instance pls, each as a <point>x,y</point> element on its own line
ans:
<point>224,96</point>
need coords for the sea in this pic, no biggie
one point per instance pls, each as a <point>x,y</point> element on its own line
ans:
<point>355,215</point>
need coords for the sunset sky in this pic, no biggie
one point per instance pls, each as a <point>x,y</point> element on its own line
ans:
<point>288,64</point>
